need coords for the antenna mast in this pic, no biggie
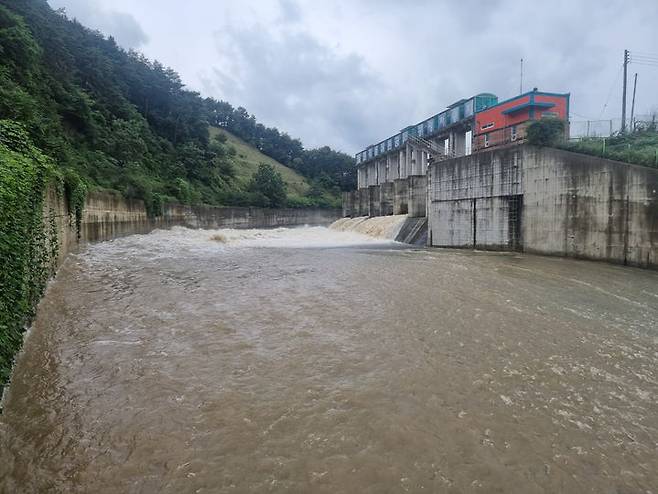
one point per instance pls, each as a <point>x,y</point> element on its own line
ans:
<point>521,85</point>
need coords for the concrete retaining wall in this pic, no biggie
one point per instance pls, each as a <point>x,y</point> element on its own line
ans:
<point>107,216</point>
<point>546,201</point>
<point>474,201</point>
<point>588,207</point>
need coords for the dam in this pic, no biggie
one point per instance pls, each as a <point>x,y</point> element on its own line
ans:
<point>317,359</point>
<point>526,198</point>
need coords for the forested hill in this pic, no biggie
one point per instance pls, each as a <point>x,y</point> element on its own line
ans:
<point>114,119</point>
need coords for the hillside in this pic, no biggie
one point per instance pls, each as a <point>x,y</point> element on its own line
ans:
<point>113,119</point>
<point>248,158</point>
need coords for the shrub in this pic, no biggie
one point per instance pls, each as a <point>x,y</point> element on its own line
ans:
<point>268,186</point>
<point>545,132</point>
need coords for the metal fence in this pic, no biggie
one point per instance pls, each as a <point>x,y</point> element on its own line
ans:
<point>606,128</point>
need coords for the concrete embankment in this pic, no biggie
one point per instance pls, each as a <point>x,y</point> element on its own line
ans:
<point>107,216</point>
<point>546,201</point>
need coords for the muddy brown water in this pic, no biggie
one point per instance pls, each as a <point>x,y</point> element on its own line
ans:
<point>311,360</point>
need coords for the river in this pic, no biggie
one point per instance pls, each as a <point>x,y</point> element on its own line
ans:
<point>314,360</point>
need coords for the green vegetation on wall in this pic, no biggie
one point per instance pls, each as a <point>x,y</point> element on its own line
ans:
<point>639,147</point>
<point>28,248</point>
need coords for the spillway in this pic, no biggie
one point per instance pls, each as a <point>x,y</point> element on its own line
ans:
<point>400,228</point>
<point>384,227</point>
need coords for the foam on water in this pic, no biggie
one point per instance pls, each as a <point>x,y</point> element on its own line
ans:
<point>383,227</point>
<point>308,236</point>
<point>181,240</point>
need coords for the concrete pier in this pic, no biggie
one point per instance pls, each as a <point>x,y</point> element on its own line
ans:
<point>417,196</point>
<point>401,196</point>
<point>374,208</point>
<point>364,202</point>
<point>348,204</point>
<point>386,196</point>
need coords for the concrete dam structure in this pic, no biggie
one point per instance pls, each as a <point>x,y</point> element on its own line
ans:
<point>538,200</point>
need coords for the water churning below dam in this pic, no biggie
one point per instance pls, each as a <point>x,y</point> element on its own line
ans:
<point>317,360</point>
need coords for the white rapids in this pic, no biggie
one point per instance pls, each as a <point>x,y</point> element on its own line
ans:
<point>384,227</point>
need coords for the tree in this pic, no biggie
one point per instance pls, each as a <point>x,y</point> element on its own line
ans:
<point>545,132</point>
<point>268,186</point>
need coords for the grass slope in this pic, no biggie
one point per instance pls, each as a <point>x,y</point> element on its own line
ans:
<point>248,158</point>
<point>639,148</point>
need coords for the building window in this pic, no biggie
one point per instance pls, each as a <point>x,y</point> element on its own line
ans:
<point>513,132</point>
<point>487,126</point>
<point>486,140</point>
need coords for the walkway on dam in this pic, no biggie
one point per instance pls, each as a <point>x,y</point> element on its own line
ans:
<point>314,360</point>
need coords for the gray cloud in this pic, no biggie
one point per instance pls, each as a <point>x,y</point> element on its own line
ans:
<point>122,26</point>
<point>291,80</point>
<point>290,11</point>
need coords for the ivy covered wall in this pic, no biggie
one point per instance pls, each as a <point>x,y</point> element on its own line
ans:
<point>28,238</point>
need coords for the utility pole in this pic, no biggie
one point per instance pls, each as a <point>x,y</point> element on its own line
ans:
<point>623,96</point>
<point>521,85</point>
<point>633,103</point>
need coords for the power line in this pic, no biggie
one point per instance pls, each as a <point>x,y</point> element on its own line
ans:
<point>645,54</point>
<point>611,88</point>
<point>643,59</point>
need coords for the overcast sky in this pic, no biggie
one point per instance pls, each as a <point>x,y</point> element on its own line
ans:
<point>350,73</point>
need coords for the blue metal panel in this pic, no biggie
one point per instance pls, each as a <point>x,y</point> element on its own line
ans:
<point>484,101</point>
<point>459,110</point>
<point>454,115</point>
<point>469,107</point>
